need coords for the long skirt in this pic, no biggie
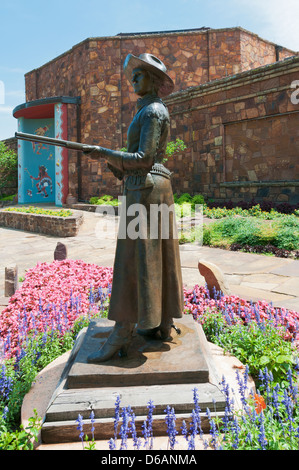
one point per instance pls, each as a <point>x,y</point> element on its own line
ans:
<point>147,279</point>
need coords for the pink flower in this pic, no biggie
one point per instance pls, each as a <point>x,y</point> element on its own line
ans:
<point>48,290</point>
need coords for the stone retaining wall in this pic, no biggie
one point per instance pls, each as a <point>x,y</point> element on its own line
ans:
<point>40,223</point>
<point>100,209</point>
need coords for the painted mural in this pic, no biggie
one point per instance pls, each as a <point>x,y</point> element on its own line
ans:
<point>43,169</point>
<point>37,179</point>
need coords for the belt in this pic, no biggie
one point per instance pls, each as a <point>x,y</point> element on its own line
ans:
<point>157,169</point>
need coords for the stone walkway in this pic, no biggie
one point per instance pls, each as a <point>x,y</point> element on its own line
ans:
<point>251,276</point>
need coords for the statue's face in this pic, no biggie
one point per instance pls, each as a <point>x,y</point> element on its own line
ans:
<point>141,81</point>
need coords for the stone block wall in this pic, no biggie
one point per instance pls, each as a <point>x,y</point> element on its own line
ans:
<point>40,223</point>
<point>242,135</point>
<point>93,70</point>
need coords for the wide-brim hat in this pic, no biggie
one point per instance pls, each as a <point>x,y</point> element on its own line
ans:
<point>153,64</point>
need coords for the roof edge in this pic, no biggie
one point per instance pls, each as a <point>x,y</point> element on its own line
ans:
<point>120,36</point>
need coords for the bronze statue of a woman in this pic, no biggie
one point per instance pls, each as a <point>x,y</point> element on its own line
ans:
<point>147,282</point>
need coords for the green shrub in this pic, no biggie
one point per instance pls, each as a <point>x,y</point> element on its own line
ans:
<point>197,200</point>
<point>287,238</point>
<point>93,200</point>
<point>184,198</point>
<point>259,346</point>
<point>207,235</point>
<point>8,198</point>
<point>22,439</point>
<point>8,167</point>
<point>105,200</point>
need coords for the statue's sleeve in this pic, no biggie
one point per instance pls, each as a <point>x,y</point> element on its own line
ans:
<point>150,133</point>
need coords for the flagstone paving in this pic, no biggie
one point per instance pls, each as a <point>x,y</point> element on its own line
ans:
<point>251,276</point>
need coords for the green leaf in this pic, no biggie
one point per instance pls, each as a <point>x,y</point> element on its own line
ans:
<point>283,358</point>
<point>264,360</point>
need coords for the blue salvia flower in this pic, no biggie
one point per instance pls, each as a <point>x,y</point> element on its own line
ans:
<point>171,428</point>
<point>248,438</point>
<point>151,408</point>
<point>289,406</point>
<point>6,383</point>
<point>242,388</point>
<point>185,430</point>
<point>116,417</point>
<point>79,420</point>
<point>124,429</point>
<point>262,436</point>
<point>236,430</point>
<point>145,433</point>
<point>292,388</point>
<point>275,401</point>
<point>4,413</point>
<point>226,420</point>
<point>226,391</point>
<point>112,444</point>
<point>136,440</point>
<point>194,424</point>
<point>92,424</point>
<point>213,430</point>
<point>191,443</point>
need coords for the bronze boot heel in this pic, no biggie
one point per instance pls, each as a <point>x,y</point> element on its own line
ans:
<point>118,341</point>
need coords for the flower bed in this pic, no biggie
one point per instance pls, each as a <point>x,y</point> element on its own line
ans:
<point>52,296</point>
<point>57,223</point>
<point>55,297</point>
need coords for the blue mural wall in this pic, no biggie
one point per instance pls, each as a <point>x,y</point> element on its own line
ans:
<point>36,163</point>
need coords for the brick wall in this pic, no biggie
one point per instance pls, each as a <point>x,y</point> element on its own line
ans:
<point>93,70</point>
<point>40,223</point>
<point>243,136</point>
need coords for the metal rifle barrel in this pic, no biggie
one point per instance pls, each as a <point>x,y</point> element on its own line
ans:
<point>49,140</point>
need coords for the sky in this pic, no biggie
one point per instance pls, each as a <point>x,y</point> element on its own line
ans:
<point>33,32</point>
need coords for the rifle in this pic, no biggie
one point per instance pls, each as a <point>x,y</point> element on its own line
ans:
<point>51,141</point>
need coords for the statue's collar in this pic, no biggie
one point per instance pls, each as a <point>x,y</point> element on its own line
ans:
<point>148,99</point>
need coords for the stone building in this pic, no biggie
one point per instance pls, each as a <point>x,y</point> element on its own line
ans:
<point>232,106</point>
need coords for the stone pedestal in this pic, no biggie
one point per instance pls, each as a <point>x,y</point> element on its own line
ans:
<point>164,372</point>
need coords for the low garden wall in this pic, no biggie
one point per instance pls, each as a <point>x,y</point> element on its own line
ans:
<point>100,209</point>
<point>41,223</point>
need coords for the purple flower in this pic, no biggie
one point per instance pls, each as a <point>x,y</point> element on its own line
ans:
<point>116,417</point>
<point>112,444</point>
<point>213,430</point>
<point>92,424</point>
<point>124,429</point>
<point>262,436</point>
<point>136,440</point>
<point>5,412</point>
<point>79,420</point>
<point>6,383</point>
<point>171,428</point>
<point>151,408</point>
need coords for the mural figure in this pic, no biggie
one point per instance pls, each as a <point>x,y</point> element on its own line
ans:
<point>38,146</point>
<point>44,181</point>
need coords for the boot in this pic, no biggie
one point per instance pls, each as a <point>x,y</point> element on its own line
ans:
<point>118,341</point>
<point>162,332</point>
